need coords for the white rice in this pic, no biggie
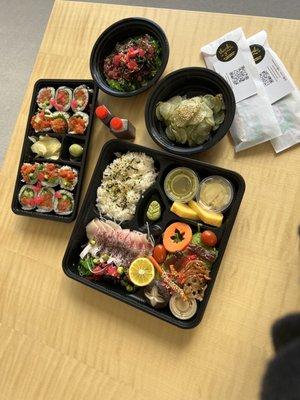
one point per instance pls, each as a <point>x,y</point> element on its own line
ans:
<point>124,181</point>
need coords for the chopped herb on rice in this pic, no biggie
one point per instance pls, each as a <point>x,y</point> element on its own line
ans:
<point>124,181</point>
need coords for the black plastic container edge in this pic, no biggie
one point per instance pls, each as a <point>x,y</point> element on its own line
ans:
<point>170,86</point>
<point>15,206</point>
<point>105,44</point>
<point>113,146</point>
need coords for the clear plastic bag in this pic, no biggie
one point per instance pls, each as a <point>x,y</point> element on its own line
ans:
<point>254,120</point>
<point>286,109</point>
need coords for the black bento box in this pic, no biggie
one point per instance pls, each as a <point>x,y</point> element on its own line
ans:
<point>163,163</point>
<point>66,139</point>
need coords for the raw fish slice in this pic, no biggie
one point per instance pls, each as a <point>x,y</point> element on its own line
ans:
<point>101,228</point>
<point>122,245</point>
<point>91,229</point>
<point>113,224</point>
<point>108,228</point>
<point>123,235</point>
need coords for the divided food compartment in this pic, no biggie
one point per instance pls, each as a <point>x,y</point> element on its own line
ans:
<point>66,139</point>
<point>163,163</point>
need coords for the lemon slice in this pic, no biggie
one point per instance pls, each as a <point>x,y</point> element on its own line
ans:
<point>141,271</point>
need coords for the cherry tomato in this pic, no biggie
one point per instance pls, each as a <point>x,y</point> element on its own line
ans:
<point>159,253</point>
<point>209,238</point>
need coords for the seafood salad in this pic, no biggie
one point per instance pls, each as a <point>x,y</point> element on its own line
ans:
<point>173,272</point>
<point>132,63</point>
<point>124,181</point>
<point>122,245</point>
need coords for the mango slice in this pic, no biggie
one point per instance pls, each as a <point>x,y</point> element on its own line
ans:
<point>209,217</point>
<point>184,211</point>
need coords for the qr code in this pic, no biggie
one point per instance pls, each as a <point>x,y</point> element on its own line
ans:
<point>266,78</point>
<point>239,75</point>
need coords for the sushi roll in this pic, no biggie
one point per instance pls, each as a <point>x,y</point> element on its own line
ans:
<point>59,122</point>
<point>49,175</point>
<point>27,197</point>
<point>68,177</point>
<point>44,97</point>
<point>63,98</point>
<point>78,123</point>
<point>63,202</point>
<point>45,200</point>
<point>40,121</point>
<point>30,172</point>
<point>80,98</point>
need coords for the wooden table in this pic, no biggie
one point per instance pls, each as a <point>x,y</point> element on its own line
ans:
<point>61,340</point>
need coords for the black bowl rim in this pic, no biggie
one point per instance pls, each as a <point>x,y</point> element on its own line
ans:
<point>165,56</point>
<point>206,145</point>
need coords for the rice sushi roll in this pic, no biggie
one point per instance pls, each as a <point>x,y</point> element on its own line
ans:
<point>27,197</point>
<point>63,98</point>
<point>44,97</point>
<point>30,172</point>
<point>59,122</point>
<point>78,123</point>
<point>49,175</point>
<point>45,200</point>
<point>68,177</point>
<point>63,202</point>
<point>80,98</point>
<point>40,121</point>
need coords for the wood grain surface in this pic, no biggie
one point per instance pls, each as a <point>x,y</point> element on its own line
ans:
<point>61,340</point>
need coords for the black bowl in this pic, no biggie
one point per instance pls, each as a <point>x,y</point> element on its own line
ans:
<point>119,32</point>
<point>191,82</point>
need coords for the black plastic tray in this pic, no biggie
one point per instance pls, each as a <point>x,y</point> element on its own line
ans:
<point>164,163</point>
<point>66,140</point>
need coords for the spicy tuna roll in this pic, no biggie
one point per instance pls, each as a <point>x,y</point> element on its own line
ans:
<point>30,172</point>
<point>59,122</point>
<point>68,177</point>
<point>44,97</point>
<point>45,199</point>
<point>63,202</point>
<point>80,98</point>
<point>63,98</point>
<point>27,197</point>
<point>41,121</point>
<point>78,123</point>
<point>49,175</point>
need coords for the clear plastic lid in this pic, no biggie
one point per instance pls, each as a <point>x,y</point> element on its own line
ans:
<point>181,184</point>
<point>215,193</point>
